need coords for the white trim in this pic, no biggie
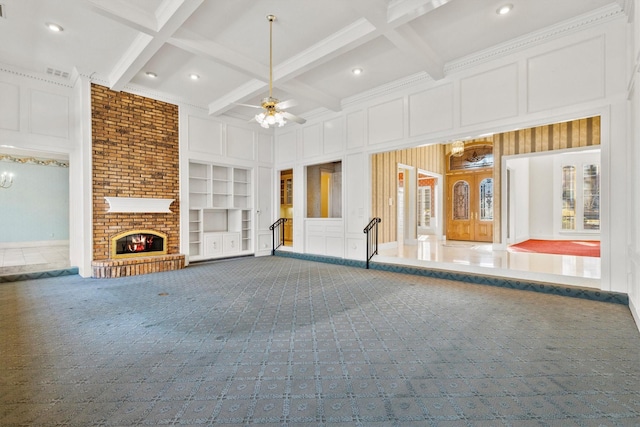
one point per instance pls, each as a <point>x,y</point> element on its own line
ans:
<point>138,204</point>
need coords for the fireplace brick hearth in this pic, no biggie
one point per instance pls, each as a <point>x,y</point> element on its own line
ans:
<point>134,266</point>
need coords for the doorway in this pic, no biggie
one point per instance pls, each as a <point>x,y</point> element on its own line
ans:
<point>286,204</point>
<point>470,215</point>
<point>428,210</point>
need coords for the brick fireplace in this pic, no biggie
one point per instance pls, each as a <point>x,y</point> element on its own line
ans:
<point>135,156</point>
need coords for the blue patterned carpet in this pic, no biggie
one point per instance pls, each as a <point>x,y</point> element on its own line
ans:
<point>281,341</point>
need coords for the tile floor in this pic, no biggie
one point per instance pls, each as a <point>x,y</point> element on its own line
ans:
<point>481,258</point>
<point>33,259</point>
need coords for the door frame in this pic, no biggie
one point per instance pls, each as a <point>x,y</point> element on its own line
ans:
<point>407,229</point>
<point>437,201</point>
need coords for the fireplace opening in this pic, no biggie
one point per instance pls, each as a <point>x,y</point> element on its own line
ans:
<point>138,243</point>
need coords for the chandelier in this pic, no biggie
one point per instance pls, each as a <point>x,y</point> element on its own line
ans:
<point>457,149</point>
<point>6,179</point>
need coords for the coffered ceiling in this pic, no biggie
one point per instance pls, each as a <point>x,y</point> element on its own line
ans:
<point>316,44</point>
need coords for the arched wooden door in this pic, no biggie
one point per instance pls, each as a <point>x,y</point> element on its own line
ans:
<point>470,207</point>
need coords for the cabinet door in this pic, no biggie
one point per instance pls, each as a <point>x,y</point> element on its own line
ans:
<point>213,244</point>
<point>231,243</point>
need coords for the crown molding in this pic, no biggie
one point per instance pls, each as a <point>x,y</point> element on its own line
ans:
<point>602,15</point>
<point>139,90</point>
<point>628,8</point>
<point>387,89</point>
<point>562,29</point>
<point>42,77</point>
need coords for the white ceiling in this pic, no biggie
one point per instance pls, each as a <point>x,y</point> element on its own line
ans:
<point>316,44</point>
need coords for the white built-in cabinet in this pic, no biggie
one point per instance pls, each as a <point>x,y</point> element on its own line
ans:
<point>220,208</point>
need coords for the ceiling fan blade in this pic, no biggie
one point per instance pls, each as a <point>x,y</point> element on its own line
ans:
<point>286,104</point>
<point>293,118</point>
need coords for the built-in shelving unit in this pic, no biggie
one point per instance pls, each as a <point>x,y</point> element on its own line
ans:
<point>220,211</point>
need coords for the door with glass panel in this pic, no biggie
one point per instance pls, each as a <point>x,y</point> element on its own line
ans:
<point>470,207</point>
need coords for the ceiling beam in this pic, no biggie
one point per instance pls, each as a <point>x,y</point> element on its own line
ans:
<point>416,49</point>
<point>342,41</point>
<point>134,18</point>
<point>304,91</point>
<point>391,22</point>
<point>170,17</point>
<point>403,11</point>
<point>239,95</point>
<point>215,52</point>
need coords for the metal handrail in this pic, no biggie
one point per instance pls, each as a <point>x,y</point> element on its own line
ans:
<point>371,230</point>
<point>277,227</point>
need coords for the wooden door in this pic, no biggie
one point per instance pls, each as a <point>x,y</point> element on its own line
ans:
<point>470,207</point>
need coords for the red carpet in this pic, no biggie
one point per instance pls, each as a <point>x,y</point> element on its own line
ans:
<point>559,247</point>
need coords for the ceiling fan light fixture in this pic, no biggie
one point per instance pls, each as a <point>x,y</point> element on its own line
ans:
<point>270,118</point>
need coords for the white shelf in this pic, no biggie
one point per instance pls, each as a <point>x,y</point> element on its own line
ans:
<point>220,201</point>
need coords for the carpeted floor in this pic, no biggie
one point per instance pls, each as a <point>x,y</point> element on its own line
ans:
<point>278,341</point>
<point>590,248</point>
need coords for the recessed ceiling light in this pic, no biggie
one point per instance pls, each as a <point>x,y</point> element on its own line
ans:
<point>54,27</point>
<point>194,76</point>
<point>356,71</point>
<point>151,74</point>
<point>503,10</point>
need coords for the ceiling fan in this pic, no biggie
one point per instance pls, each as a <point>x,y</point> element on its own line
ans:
<point>274,114</point>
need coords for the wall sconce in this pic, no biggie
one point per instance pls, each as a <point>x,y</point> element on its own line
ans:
<point>6,179</point>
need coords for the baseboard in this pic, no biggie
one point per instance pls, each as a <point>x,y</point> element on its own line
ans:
<point>634,313</point>
<point>38,244</point>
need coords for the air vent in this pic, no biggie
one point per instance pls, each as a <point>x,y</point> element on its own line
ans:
<point>57,73</point>
<point>2,11</point>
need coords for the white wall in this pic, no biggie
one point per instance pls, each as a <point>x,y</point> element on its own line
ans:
<point>207,139</point>
<point>631,162</point>
<point>521,214</point>
<point>35,114</point>
<point>487,93</point>
<point>48,116</point>
<point>36,207</point>
<point>541,196</point>
<point>537,194</point>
